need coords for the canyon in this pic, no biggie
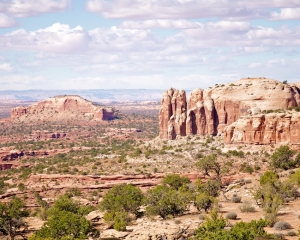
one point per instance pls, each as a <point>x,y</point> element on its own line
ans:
<point>234,110</point>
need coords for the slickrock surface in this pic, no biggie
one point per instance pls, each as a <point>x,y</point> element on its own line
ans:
<point>208,112</point>
<point>62,108</point>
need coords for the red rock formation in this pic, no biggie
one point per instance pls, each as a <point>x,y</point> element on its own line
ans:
<point>200,114</point>
<point>212,110</point>
<point>172,117</point>
<point>274,128</point>
<point>62,108</point>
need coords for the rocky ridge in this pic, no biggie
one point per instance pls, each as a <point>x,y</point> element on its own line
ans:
<point>68,107</point>
<point>233,109</point>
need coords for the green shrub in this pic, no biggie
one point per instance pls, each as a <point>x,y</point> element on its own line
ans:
<point>122,197</point>
<point>295,177</point>
<point>214,228</point>
<point>245,167</point>
<point>21,187</point>
<point>12,215</point>
<point>236,153</point>
<point>199,155</point>
<point>175,181</point>
<point>119,200</point>
<point>282,158</point>
<point>66,221</point>
<point>268,178</point>
<point>65,225</point>
<point>203,201</point>
<point>121,220</point>
<point>210,187</point>
<point>163,201</point>
<point>209,164</point>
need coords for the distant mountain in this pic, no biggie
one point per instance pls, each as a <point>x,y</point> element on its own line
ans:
<point>96,95</point>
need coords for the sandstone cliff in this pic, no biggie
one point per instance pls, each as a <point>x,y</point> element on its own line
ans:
<point>62,108</point>
<point>208,112</point>
<point>273,128</point>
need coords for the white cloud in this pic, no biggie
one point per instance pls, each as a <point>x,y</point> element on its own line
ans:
<point>286,14</point>
<point>5,67</point>
<point>26,8</point>
<point>6,21</point>
<point>58,38</point>
<point>160,23</point>
<point>172,9</point>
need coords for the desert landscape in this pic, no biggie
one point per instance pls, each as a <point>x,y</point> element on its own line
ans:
<point>149,120</point>
<point>216,156</point>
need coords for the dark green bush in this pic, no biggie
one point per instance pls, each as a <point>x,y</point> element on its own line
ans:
<point>282,158</point>
<point>163,201</point>
<point>175,181</point>
<point>214,228</point>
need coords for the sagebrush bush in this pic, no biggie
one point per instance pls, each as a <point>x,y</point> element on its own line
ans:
<point>279,236</point>
<point>231,216</point>
<point>291,233</point>
<point>236,199</point>
<point>281,225</point>
<point>247,207</point>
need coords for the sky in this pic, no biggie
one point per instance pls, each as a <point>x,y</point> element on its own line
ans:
<point>146,44</point>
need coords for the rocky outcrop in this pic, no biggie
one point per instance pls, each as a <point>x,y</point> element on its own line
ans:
<point>271,128</point>
<point>210,111</point>
<point>65,108</point>
<point>15,154</point>
<point>172,114</point>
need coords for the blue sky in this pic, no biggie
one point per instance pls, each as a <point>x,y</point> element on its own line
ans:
<point>155,44</point>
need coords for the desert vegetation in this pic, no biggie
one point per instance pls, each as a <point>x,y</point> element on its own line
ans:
<point>114,179</point>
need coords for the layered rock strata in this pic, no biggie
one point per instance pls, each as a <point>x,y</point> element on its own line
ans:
<point>210,111</point>
<point>63,108</point>
<point>271,128</point>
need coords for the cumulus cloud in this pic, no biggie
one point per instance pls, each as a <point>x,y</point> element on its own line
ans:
<point>26,8</point>
<point>6,21</point>
<point>286,14</point>
<point>5,67</point>
<point>58,38</point>
<point>172,9</point>
<point>160,23</point>
<point>129,56</point>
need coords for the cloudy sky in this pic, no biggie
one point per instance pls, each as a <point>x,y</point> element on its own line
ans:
<point>155,44</point>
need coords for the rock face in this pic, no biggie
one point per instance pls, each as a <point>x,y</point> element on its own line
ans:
<point>172,114</point>
<point>210,111</point>
<point>265,129</point>
<point>62,108</point>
